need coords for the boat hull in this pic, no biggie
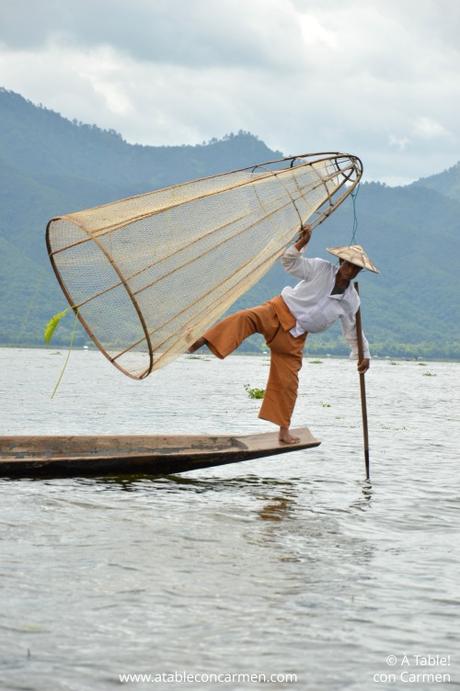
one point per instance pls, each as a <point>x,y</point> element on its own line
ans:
<point>81,456</point>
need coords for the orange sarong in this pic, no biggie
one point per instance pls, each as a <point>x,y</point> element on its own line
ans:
<point>274,320</point>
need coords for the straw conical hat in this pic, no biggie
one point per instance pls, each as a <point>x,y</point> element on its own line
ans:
<point>354,254</point>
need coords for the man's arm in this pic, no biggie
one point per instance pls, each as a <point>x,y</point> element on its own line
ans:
<point>292,260</point>
<point>304,238</point>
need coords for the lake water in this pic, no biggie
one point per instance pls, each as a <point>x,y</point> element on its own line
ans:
<point>285,565</point>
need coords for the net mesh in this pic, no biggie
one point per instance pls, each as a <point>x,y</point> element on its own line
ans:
<point>149,274</point>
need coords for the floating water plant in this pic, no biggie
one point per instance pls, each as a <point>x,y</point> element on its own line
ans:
<point>52,325</point>
<point>316,362</point>
<point>254,392</point>
<point>325,405</point>
<point>48,332</point>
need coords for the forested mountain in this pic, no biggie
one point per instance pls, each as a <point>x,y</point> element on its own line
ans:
<point>446,183</point>
<point>49,166</point>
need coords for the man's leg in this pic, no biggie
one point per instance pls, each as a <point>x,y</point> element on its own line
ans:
<point>199,343</point>
<point>286,359</point>
<point>281,392</point>
<point>225,337</point>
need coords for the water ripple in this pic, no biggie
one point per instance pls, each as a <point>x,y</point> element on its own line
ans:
<point>285,564</point>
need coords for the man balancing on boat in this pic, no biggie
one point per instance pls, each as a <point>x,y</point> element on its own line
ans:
<point>323,295</point>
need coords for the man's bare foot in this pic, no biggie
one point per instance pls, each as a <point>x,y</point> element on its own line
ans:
<point>286,437</point>
<point>195,346</point>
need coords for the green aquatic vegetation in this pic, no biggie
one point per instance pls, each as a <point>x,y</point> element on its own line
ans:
<point>421,364</point>
<point>325,405</point>
<point>428,374</point>
<point>316,362</point>
<point>52,325</point>
<point>253,392</point>
<point>394,363</point>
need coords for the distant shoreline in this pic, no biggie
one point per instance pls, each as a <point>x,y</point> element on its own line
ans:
<point>251,353</point>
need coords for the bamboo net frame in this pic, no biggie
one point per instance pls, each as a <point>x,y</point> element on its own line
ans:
<point>147,275</point>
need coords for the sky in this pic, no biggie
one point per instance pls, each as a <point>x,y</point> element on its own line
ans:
<point>377,78</point>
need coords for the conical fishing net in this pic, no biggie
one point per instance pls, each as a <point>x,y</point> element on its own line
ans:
<point>149,274</point>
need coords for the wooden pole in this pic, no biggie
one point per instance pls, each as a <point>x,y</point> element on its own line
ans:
<point>362,385</point>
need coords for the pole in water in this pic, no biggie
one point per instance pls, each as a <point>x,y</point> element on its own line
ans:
<point>362,386</point>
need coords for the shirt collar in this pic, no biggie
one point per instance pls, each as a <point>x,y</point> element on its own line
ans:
<point>346,292</point>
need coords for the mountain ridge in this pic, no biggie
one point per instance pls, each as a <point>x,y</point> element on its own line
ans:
<point>50,165</point>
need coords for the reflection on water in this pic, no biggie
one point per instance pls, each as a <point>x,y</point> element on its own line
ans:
<point>364,502</point>
<point>292,563</point>
<point>277,509</point>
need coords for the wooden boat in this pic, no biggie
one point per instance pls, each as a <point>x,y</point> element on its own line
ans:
<point>64,456</point>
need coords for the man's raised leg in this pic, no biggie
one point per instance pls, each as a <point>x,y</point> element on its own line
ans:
<point>195,346</point>
<point>225,337</point>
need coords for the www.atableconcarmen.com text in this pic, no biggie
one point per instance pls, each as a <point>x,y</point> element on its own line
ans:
<point>207,678</point>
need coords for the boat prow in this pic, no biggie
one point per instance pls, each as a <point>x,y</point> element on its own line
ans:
<point>81,456</point>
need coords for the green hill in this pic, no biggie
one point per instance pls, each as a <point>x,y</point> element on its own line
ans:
<point>49,166</point>
<point>411,307</point>
<point>446,183</point>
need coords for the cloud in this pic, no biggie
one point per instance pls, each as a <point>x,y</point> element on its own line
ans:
<point>378,79</point>
<point>399,143</point>
<point>426,128</point>
<point>197,33</point>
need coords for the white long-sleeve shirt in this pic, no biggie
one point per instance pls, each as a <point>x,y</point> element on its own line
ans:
<point>312,304</point>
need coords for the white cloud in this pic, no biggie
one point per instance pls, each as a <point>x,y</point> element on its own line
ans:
<point>426,128</point>
<point>400,143</point>
<point>375,78</point>
<point>316,34</point>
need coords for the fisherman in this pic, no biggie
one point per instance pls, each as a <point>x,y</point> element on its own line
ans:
<point>323,295</point>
